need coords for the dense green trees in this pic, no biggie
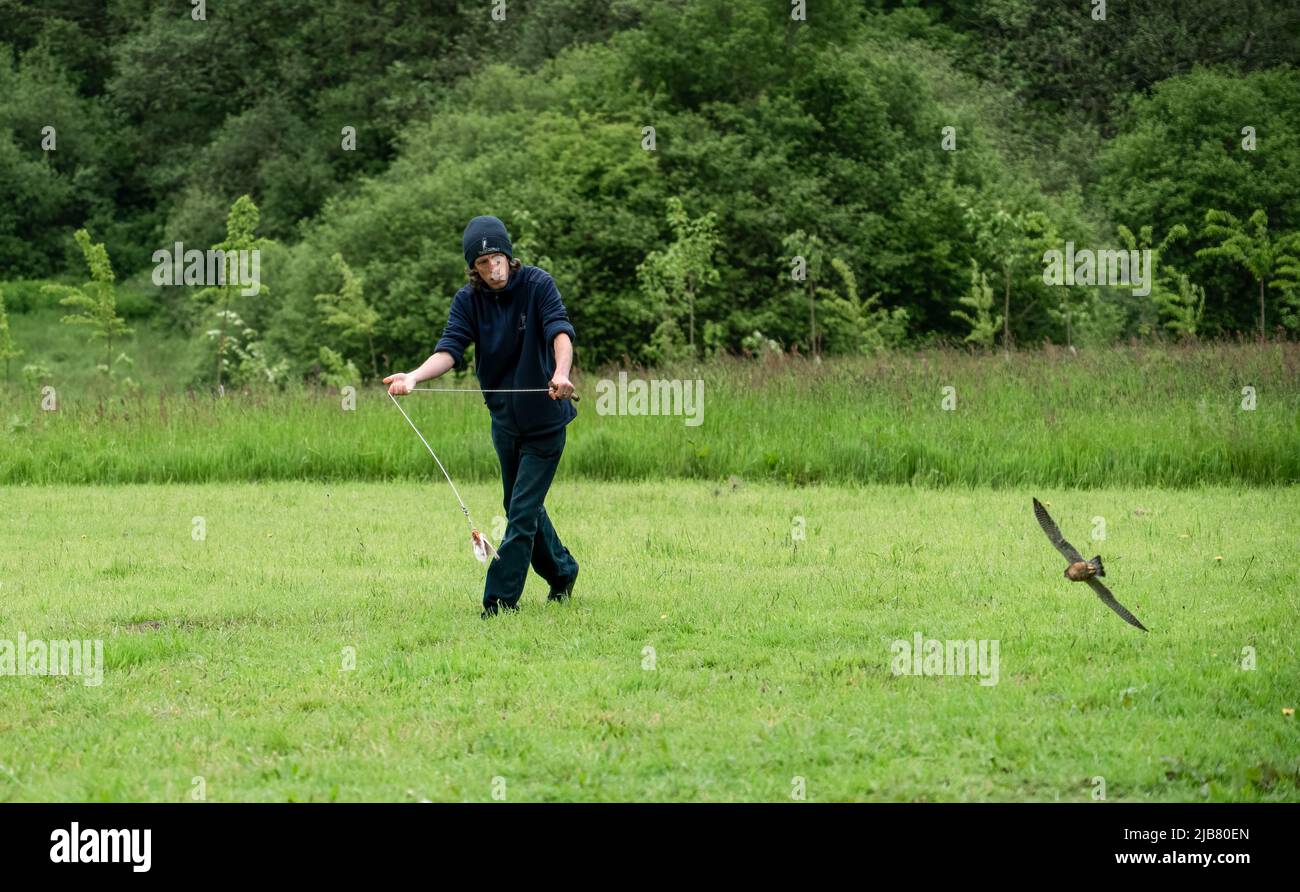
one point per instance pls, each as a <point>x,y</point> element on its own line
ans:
<point>903,144</point>
<point>1209,140</point>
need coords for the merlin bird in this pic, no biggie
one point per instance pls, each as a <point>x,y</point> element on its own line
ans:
<point>1080,570</point>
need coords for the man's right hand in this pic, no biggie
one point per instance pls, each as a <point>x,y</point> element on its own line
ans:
<point>400,383</point>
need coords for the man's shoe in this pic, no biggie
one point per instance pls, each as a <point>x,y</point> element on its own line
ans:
<point>495,607</point>
<point>564,590</point>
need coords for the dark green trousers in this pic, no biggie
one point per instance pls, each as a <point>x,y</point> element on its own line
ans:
<point>528,466</point>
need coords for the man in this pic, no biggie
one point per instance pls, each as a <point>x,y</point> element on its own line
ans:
<point>513,315</point>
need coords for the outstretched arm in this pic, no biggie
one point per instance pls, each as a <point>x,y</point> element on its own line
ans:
<point>437,364</point>
<point>561,386</point>
<point>558,331</point>
<point>450,349</point>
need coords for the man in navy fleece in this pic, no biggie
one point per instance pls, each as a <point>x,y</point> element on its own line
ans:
<point>513,315</point>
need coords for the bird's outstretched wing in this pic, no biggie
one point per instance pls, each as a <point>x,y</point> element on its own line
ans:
<point>1109,600</point>
<point>1049,527</point>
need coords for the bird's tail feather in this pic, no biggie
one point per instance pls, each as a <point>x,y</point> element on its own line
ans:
<point>1096,562</point>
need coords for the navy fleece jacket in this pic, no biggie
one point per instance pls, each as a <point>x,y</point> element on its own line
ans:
<point>513,330</point>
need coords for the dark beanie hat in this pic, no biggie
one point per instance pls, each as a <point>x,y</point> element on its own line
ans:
<point>485,235</point>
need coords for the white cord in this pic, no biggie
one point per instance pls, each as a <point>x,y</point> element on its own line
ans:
<point>477,390</point>
<point>435,458</point>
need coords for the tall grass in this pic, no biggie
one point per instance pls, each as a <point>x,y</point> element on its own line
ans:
<point>1132,416</point>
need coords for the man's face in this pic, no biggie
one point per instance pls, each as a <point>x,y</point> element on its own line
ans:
<point>494,269</point>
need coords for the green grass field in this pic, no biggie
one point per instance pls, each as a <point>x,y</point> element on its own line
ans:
<point>771,656</point>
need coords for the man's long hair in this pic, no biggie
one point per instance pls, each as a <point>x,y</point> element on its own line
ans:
<point>477,281</point>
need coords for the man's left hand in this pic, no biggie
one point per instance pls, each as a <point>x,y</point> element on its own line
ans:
<point>561,387</point>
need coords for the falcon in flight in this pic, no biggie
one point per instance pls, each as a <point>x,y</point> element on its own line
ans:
<point>1080,570</point>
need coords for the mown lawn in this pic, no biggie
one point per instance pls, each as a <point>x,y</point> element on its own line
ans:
<point>708,653</point>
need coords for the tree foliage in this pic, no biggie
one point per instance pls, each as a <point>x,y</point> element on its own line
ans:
<point>96,302</point>
<point>905,140</point>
